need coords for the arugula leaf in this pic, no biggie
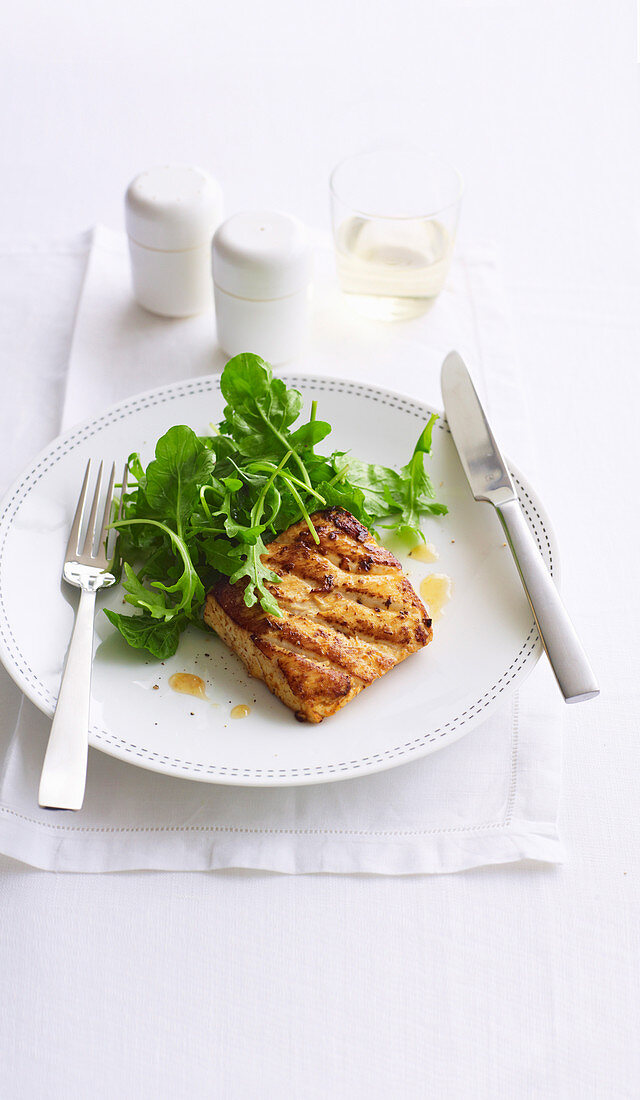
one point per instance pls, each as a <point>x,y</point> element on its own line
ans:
<point>417,497</point>
<point>375,482</point>
<point>135,466</point>
<point>310,434</point>
<point>260,409</point>
<point>349,497</point>
<point>407,495</point>
<point>249,565</point>
<point>151,601</point>
<point>255,399</point>
<point>188,585</point>
<point>219,555</point>
<point>173,480</point>
<point>414,471</point>
<point>143,632</point>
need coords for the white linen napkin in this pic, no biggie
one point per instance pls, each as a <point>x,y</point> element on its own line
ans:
<point>490,798</point>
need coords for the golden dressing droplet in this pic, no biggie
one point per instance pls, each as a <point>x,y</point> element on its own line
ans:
<point>241,711</point>
<point>436,592</point>
<point>424,551</point>
<point>188,684</point>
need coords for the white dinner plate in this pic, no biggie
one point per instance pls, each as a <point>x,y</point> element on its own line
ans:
<point>483,647</point>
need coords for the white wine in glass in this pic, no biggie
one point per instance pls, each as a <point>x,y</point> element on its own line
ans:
<point>395,215</point>
<point>392,270</point>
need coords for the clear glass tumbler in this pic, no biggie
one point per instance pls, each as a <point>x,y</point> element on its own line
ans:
<point>395,215</point>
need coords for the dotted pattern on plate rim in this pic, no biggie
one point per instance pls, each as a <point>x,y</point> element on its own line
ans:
<point>167,763</point>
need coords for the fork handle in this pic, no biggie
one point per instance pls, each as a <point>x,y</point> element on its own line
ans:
<point>64,772</point>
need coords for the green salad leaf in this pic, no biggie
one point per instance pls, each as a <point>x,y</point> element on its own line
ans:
<point>378,484</point>
<point>160,639</point>
<point>255,398</point>
<point>182,464</point>
<point>207,506</point>
<point>416,495</point>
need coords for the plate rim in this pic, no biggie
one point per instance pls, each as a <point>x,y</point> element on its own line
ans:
<point>108,741</point>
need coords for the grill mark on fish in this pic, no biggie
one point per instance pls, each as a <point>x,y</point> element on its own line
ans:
<point>375,601</point>
<point>366,631</point>
<point>378,644</point>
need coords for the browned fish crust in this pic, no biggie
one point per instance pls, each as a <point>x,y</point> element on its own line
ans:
<point>349,615</point>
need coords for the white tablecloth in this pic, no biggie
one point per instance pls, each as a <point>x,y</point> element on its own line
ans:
<point>493,799</point>
<point>508,982</point>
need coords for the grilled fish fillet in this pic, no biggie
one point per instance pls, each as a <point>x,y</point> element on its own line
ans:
<point>349,615</point>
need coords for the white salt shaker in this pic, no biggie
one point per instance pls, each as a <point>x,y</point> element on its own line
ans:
<point>171,214</point>
<point>261,263</point>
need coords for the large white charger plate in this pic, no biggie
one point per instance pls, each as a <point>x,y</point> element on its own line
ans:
<point>483,647</point>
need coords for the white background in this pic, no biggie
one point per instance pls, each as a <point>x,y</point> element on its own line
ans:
<point>511,982</point>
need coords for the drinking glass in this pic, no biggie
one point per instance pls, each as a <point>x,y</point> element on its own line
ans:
<point>395,214</point>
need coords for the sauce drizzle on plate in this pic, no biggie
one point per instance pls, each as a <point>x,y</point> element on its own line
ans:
<point>436,592</point>
<point>424,551</point>
<point>187,683</point>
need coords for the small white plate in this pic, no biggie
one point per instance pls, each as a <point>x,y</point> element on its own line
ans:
<point>483,647</point>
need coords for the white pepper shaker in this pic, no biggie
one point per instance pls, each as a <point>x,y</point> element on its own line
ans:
<point>171,214</point>
<point>261,264</point>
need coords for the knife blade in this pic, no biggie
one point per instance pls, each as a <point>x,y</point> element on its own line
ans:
<point>491,482</point>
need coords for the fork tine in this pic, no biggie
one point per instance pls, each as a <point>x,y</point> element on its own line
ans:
<point>125,481</point>
<point>91,527</point>
<point>74,534</point>
<point>106,515</point>
<point>112,534</point>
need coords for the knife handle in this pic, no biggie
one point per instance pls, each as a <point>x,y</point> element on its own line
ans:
<point>567,657</point>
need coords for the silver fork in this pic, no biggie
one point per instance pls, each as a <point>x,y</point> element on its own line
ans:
<point>64,772</point>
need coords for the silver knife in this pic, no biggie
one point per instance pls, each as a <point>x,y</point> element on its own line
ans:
<point>490,481</point>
